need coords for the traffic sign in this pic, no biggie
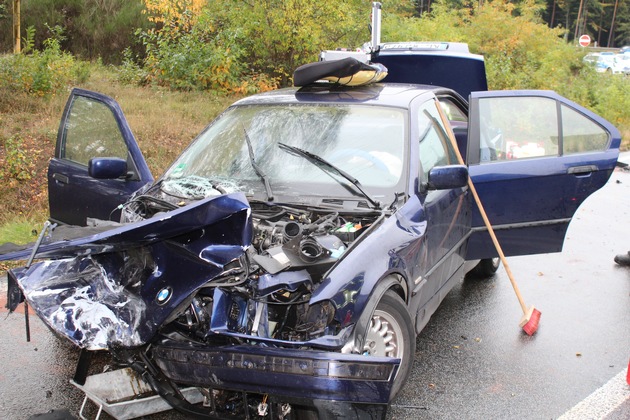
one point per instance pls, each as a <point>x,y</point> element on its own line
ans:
<point>585,40</point>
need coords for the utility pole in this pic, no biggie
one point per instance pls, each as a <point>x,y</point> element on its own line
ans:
<point>16,27</point>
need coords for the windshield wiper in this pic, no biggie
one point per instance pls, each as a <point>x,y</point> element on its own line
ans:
<point>329,167</point>
<point>257,168</point>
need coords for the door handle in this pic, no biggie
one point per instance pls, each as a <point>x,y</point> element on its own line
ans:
<point>583,170</point>
<point>61,179</point>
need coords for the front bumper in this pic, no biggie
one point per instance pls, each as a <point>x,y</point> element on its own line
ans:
<point>280,372</point>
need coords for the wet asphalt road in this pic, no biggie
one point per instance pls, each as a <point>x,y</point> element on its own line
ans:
<point>472,359</point>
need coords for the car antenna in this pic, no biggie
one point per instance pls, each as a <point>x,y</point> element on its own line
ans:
<point>375,27</point>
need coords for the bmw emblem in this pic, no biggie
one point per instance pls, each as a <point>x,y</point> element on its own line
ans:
<point>164,295</point>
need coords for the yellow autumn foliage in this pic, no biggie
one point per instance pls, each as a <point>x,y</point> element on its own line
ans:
<point>174,12</point>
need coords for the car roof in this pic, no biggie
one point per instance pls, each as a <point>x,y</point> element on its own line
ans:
<point>386,94</point>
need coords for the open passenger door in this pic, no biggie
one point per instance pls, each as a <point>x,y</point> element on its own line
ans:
<point>534,157</point>
<point>97,163</point>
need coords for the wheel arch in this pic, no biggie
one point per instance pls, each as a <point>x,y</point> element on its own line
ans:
<point>391,281</point>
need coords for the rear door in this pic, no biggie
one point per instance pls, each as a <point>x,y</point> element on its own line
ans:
<point>534,157</point>
<point>92,126</point>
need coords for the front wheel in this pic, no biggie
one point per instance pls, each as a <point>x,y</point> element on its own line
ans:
<point>390,333</point>
<point>485,268</point>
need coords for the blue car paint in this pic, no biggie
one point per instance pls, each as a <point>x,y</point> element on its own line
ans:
<point>434,63</point>
<point>289,372</point>
<point>418,253</point>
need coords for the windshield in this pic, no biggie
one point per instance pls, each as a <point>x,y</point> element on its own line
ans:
<point>367,142</point>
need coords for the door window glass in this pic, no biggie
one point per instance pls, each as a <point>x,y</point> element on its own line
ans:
<point>517,128</point>
<point>435,148</point>
<point>580,134</point>
<point>91,131</point>
<point>528,127</point>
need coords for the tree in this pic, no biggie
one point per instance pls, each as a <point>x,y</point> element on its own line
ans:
<point>612,24</point>
<point>16,27</point>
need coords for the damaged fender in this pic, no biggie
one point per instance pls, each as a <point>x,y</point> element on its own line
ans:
<point>118,287</point>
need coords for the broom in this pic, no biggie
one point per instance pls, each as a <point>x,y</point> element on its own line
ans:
<point>531,316</point>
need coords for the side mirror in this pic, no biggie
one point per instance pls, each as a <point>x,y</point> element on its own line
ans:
<point>107,168</point>
<point>447,177</point>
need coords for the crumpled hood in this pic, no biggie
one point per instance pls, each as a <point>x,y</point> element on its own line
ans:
<point>116,288</point>
<point>75,240</point>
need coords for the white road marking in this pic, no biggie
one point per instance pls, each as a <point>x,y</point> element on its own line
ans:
<point>601,402</point>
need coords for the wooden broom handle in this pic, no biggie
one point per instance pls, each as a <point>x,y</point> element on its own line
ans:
<point>484,216</point>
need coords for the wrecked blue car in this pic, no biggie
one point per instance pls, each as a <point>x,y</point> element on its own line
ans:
<point>286,261</point>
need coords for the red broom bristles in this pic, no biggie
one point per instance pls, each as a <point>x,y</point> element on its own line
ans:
<point>531,322</point>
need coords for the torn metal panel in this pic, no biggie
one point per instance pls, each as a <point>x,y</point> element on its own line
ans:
<point>101,300</point>
<point>83,240</point>
<point>79,299</point>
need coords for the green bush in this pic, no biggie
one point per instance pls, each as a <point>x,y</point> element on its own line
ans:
<point>17,165</point>
<point>197,57</point>
<point>277,36</point>
<point>130,72</point>
<point>612,99</point>
<point>42,73</point>
<point>191,61</point>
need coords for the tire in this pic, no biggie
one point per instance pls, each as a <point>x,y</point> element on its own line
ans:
<point>390,333</point>
<point>485,268</point>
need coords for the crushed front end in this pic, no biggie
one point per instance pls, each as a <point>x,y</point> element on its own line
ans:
<point>217,295</point>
